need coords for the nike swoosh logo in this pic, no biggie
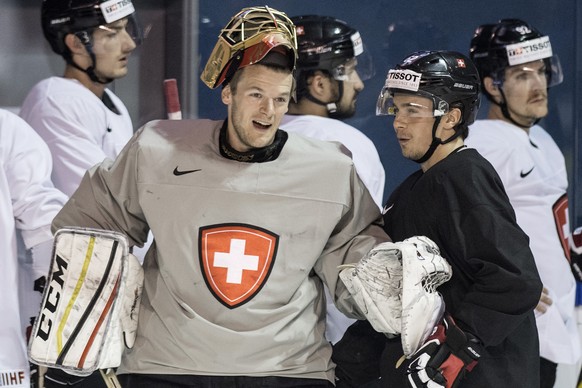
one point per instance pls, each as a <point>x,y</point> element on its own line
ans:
<point>524,174</point>
<point>184,172</point>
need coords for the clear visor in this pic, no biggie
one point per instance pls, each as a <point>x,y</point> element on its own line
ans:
<point>122,29</point>
<point>551,70</point>
<point>414,105</point>
<point>361,66</point>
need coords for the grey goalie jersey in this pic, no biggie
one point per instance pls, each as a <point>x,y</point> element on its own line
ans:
<point>233,281</point>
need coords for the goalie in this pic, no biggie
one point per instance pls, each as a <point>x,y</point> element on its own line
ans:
<point>458,201</point>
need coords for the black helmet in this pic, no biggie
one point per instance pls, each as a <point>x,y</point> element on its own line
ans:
<point>446,77</point>
<point>330,45</point>
<point>510,42</point>
<point>62,17</point>
<point>326,43</point>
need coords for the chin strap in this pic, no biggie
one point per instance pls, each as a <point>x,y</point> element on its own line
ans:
<point>436,141</point>
<point>90,71</point>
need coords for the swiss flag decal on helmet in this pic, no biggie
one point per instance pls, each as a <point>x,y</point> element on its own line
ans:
<point>236,260</point>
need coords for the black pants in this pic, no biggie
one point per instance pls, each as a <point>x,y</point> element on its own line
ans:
<point>548,371</point>
<point>60,379</point>
<point>177,381</point>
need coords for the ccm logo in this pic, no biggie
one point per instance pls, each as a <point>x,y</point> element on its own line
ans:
<point>52,300</point>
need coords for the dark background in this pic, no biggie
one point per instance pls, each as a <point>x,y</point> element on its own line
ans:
<point>183,33</point>
<point>393,29</point>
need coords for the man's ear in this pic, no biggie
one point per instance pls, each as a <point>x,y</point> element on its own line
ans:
<point>492,88</point>
<point>226,95</point>
<point>452,118</point>
<point>74,44</point>
<point>318,84</point>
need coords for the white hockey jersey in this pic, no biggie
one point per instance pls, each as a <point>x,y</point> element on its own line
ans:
<point>28,203</point>
<point>364,152</point>
<point>79,129</point>
<point>77,126</point>
<point>533,172</point>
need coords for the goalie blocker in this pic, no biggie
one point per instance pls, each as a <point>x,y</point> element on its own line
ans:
<point>90,305</point>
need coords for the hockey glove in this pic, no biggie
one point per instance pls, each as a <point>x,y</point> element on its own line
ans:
<point>576,253</point>
<point>444,359</point>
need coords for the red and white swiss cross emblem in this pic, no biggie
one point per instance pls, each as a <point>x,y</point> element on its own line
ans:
<point>236,260</point>
<point>560,209</point>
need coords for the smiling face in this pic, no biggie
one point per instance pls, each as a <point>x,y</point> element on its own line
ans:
<point>112,45</point>
<point>256,106</point>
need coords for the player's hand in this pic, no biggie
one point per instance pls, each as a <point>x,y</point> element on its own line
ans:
<point>544,303</point>
<point>445,358</point>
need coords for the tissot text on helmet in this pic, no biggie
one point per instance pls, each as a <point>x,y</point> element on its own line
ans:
<point>116,9</point>
<point>529,51</point>
<point>403,79</point>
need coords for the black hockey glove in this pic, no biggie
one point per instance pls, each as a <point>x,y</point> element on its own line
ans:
<point>444,359</point>
<point>576,253</point>
<point>576,265</point>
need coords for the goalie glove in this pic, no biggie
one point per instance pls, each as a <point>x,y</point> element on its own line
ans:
<point>445,358</point>
<point>375,283</point>
<point>394,286</point>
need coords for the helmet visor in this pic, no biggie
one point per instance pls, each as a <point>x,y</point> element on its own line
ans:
<point>113,34</point>
<point>362,66</point>
<point>421,104</point>
<point>523,53</point>
<point>554,73</point>
<point>408,82</point>
<point>551,68</point>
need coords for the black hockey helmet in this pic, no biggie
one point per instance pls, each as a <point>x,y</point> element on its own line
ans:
<point>510,42</point>
<point>445,77</point>
<point>327,43</point>
<point>62,17</point>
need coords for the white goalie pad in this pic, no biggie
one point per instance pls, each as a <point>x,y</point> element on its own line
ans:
<point>90,304</point>
<point>394,286</point>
